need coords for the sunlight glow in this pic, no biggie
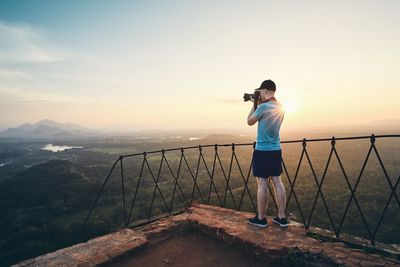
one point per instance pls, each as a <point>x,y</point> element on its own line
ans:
<point>290,106</point>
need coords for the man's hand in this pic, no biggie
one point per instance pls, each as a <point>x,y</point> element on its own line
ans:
<point>251,118</point>
<point>256,101</point>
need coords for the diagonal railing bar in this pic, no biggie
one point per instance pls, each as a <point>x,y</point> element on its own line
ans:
<point>319,185</point>
<point>295,178</point>
<point>346,178</point>
<point>230,172</point>
<point>320,192</point>
<point>98,195</point>
<point>227,180</point>
<point>386,206</point>
<point>193,178</point>
<point>155,188</point>
<point>350,188</point>
<point>352,196</point>
<point>176,182</point>
<point>211,178</point>
<point>383,168</point>
<point>246,185</point>
<point>212,173</point>
<point>137,187</point>
<point>245,180</point>
<point>156,183</point>
<point>123,189</point>
<point>294,193</point>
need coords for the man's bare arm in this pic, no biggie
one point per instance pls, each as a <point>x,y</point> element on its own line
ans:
<point>251,118</point>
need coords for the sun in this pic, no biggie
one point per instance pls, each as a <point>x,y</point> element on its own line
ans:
<point>290,106</point>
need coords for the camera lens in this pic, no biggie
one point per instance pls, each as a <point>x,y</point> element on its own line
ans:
<point>247,97</point>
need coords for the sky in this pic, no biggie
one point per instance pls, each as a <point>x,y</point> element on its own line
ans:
<point>186,64</point>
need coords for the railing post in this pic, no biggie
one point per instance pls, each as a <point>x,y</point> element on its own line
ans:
<point>176,181</point>
<point>123,188</point>
<point>156,185</point>
<point>372,139</point>
<point>137,188</point>
<point>98,196</point>
<point>195,178</point>
<point>212,175</point>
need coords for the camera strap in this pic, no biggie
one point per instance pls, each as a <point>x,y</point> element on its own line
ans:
<point>269,99</point>
<point>265,101</point>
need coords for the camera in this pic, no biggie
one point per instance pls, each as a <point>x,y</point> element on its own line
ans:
<point>247,97</point>
<point>255,96</point>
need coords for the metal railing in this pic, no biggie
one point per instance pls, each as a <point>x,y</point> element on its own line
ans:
<point>227,175</point>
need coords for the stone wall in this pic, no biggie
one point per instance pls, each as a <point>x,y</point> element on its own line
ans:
<point>286,246</point>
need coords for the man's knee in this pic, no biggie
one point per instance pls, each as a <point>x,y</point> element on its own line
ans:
<point>276,180</point>
<point>262,182</point>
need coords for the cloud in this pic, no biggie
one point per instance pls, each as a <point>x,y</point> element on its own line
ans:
<point>34,97</point>
<point>24,44</point>
<point>231,101</point>
<point>13,74</point>
<point>25,102</point>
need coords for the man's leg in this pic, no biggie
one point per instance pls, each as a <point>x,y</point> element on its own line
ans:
<point>280,194</point>
<point>262,197</point>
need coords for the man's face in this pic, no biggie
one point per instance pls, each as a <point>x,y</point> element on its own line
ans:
<point>263,93</point>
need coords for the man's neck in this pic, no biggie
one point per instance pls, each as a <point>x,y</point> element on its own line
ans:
<point>268,96</point>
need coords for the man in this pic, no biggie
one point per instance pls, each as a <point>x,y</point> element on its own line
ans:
<point>268,112</point>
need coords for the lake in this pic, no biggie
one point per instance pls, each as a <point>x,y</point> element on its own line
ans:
<point>50,147</point>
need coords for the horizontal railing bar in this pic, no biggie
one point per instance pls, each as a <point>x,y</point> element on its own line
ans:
<point>186,148</point>
<point>341,138</point>
<point>250,144</point>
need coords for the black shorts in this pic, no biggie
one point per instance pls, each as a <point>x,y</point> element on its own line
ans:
<point>267,163</point>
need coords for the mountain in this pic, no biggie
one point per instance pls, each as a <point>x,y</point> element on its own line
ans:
<point>48,123</point>
<point>48,129</point>
<point>67,126</point>
<point>45,131</point>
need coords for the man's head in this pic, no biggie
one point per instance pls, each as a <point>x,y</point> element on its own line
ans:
<point>267,89</point>
<point>269,85</point>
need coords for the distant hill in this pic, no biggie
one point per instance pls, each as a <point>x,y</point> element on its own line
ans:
<point>48,129</point>
<point>64,136</point>
<point>223,137</point>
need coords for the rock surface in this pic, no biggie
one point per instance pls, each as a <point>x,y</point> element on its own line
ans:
<point>285,246</point>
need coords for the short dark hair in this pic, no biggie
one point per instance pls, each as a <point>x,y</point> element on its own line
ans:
<point>269,85</point>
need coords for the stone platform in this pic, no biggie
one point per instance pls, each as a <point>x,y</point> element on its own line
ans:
<point>290,246</point>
